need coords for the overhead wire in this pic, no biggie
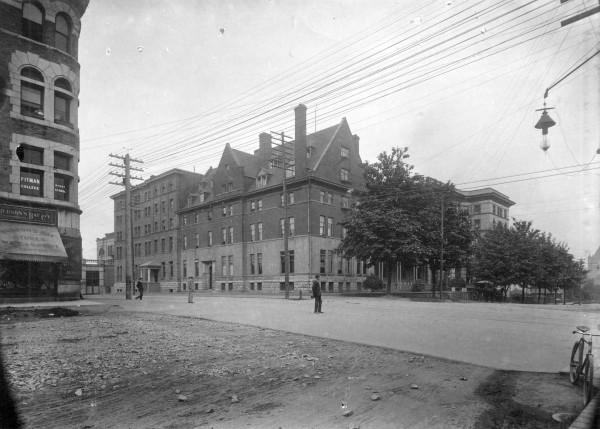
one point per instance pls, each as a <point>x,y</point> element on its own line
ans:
<point>219,152</point>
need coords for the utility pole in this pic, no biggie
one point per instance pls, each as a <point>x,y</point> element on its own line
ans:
<point>286,253</point>
<point>129,265</point>
<point>442,252</point>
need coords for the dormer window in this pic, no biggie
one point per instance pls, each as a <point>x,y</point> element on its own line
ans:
<point>261,181</point>
<point>345,175</point>
<point>290,171</point>
<point>202,197</point>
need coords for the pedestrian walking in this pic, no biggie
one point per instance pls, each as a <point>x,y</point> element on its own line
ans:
<point>316,294</point>
<point>140,288</point>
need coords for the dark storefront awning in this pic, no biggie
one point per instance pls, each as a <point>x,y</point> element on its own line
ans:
<point>26,242</point>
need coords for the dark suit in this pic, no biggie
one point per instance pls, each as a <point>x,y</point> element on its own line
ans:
<point>140,288</point>
<point>316,291</point>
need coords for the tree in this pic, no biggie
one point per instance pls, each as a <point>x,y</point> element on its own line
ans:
<point>506,255</point>
<point>525,256</point>
<point>399,218</point>
<point>446,227</point>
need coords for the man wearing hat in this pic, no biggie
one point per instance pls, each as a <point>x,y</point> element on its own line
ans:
<point>140,287</point>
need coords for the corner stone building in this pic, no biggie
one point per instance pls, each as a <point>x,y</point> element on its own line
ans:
<point>40,241</point>
<point>232,224</point>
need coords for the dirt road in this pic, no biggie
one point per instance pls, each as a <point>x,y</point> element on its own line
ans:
<point>108,368</point>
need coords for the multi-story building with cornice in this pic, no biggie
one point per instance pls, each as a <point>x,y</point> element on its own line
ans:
<point>40,241</point>
<point>233,223</point>
<point>155,230</point>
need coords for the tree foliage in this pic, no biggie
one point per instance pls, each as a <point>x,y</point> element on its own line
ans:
<point>525,256</point>
<point>399,218</point>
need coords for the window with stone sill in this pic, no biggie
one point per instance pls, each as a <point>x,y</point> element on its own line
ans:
<point>32,100</point>
<point>62,185</point>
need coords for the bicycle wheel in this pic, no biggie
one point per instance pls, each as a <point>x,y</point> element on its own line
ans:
<point>588,379</point>
<point>575,364</point>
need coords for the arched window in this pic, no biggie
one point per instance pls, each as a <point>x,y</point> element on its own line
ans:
<point>162,189</point>
<point>63,83</point>
<point>63,32</point>
<point>32,95</point>
<point>155,192</point>
<point>62,102</point>
<point>31,23</point>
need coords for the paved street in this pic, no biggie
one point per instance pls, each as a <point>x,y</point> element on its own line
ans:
<point>503,336</point>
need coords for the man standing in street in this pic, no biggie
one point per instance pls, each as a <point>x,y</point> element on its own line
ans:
<point>140,288</point>
<point>316,292</point>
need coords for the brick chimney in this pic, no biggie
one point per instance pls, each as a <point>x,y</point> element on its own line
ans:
<point>300,140</point>
<point>264,146</point>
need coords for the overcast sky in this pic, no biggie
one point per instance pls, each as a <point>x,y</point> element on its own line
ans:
<point>457,82</point>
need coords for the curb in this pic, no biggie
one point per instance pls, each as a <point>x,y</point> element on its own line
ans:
<point>587,417</point>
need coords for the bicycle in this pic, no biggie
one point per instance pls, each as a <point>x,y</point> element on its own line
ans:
<point>579,365</point>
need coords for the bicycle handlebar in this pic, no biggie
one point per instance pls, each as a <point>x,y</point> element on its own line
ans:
<point>585,333</point>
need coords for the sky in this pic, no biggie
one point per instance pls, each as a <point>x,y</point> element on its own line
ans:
<point>457,82</point>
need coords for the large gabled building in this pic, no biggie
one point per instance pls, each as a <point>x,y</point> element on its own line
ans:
<point>232,225</point>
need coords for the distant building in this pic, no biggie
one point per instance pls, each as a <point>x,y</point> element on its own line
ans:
<point>593,266</point>
<point>105,247</point>
<point>155,229</point>
<point>487,207</point>
<point>40,240</point>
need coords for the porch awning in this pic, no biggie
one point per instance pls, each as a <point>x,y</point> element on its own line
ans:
<point>26,242</point>
<point>150,264</point>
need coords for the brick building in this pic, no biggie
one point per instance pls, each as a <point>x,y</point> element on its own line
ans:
<point>105,247</point>
<point>40,241</point>
<point>232,224</point>
<point>487,207</point>
<point>155,230</point>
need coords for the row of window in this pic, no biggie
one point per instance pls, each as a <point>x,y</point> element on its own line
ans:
<point>149,194</point>
<point>344,266</point>
<point>255,205</point>
<point>227,233</point>
<point>31,181</point>
<point>32,96</point>
<point>32,27</point>
<point>261,180</point>
<point>325,286</point>
<point>496,210</point>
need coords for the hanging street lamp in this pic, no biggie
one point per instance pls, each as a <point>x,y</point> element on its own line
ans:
<point>543,124</point>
